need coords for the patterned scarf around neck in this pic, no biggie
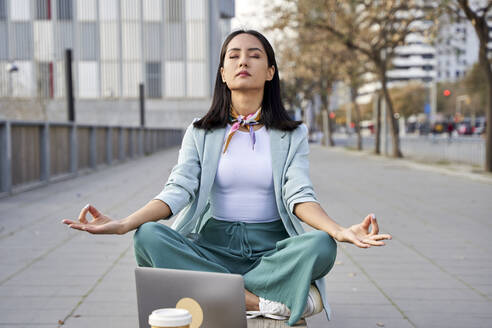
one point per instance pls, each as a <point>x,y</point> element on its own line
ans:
<point>240,120</point>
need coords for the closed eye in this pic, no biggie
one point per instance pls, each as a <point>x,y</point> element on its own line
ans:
<point>232,57</point>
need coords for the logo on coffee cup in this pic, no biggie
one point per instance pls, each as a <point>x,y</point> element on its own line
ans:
<point>187,314</point>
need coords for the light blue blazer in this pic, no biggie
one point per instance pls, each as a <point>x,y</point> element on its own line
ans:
<point>188,187</point>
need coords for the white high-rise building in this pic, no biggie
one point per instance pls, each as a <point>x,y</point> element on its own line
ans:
<point>456,50</point>
<point>415,61</point>
<point>172,46</point>
<point>448,58</point>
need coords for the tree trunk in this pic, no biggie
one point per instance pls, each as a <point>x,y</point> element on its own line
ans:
<point>377,135</point>
<point>484,62</point>
<point>482,29</point>
<point>324,102</point>
<point>391,115</point>
<point>353,98</point>
<point>324,127</point>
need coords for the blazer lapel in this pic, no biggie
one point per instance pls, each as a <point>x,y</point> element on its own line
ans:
<point>278,149</point>
<point>214,141</point>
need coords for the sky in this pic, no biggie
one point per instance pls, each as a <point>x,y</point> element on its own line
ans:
<point>249,14</point>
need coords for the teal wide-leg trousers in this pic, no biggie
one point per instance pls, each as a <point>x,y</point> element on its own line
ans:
<point>274,266</point>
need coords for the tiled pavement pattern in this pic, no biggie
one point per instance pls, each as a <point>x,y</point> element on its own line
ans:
<point>436,272</point>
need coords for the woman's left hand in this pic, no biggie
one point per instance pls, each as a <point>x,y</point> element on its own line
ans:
<point>359,234</point>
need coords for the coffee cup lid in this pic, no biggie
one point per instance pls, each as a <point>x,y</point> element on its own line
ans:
<point>170,317</point>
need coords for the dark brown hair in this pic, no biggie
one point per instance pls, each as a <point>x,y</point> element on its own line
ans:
<point>273,113</point>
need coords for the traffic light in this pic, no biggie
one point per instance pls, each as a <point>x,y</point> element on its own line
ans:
<point>446,93</point>
<point>332,115</point>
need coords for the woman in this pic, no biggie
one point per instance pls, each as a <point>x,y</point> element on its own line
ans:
<point>240,186</point>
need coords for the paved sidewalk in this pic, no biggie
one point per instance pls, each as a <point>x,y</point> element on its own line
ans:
<point>436,272</point>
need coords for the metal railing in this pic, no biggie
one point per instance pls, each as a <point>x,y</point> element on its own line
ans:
<point>467,150</point>
<point>34,153</point>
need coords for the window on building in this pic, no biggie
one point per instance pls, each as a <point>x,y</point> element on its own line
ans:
<point>153,79</point>
<point>457,73</point>
<point>3,10</point>
<point>44,81</point>
<point>88,41</point>
<point>22,41</point>
<point>4,54</point>
<point>175,32</point>
<point>108,10</point>
<point>88,79</point>
<point>64,9</point>
<point>63,38</point>
<point>174,10</point>
<point>43,10</point>
<point>152,41</point>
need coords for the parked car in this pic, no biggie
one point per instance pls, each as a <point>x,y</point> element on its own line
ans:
<point>439,127</point>
<point>465,128</point>
<point>480,126</point>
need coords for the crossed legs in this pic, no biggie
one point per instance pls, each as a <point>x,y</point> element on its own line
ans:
<point>297,262</point>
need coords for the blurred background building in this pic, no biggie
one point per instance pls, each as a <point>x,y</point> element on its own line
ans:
<point>172,46</point>
<point>447,58</point>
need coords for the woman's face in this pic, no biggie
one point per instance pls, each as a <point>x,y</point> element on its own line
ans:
<point>246,54</point>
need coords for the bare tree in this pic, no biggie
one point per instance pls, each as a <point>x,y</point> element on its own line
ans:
<point>374,29</point>
<point>476,12</point>
<point>354,70</point>
<point>377,143</point>
<point>311,59</point>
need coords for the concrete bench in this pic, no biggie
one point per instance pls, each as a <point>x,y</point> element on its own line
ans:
<point>270,323</point>
<point>316,321</point>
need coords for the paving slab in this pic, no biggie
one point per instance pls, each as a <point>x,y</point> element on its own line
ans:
<point>436,272</point>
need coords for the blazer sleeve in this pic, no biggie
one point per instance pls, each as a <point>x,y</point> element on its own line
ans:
<point>298,187</point>
<point>182,184</point>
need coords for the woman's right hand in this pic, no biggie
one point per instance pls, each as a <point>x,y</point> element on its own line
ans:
<point>101,224</point>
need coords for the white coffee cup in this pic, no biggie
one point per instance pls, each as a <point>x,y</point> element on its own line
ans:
<point>170,317</point>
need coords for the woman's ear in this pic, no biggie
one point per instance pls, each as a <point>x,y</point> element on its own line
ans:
<point>270,73</point>
<point>222,74</point>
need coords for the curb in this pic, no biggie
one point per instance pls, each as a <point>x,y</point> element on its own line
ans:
<point>456,170</point>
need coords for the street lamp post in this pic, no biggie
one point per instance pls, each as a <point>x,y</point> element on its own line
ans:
<point>433,101</point>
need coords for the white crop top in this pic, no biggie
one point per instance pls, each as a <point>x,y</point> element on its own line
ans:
<point>243,186</point>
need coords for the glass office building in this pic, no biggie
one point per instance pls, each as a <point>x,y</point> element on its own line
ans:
<point>172,46</point>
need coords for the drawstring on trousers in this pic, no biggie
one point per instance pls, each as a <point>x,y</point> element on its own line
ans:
<point>246,250</point>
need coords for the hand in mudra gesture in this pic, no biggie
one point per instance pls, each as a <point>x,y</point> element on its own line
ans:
<point>100,224</point>
<point>360,234</point>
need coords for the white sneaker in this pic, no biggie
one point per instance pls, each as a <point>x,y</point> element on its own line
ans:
<point>314,303</point>
<point>270,309</point>
<point>279,311</point>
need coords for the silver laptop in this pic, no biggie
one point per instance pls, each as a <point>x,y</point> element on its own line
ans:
<point>221,295</point>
